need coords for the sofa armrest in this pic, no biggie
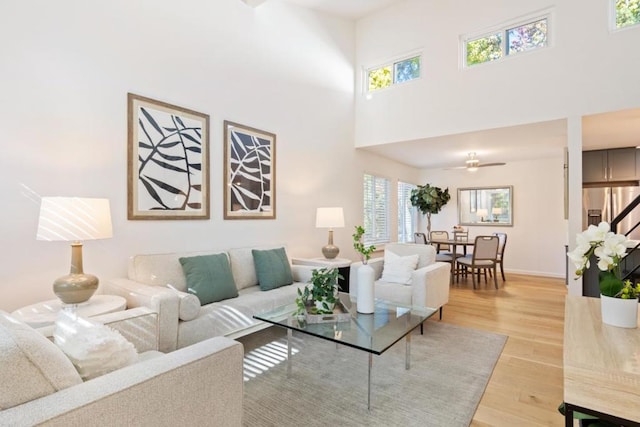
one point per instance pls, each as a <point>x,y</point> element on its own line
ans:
<point>302,273</point>
<point>149,392</point>
<point>430,285</point>
<point>161,300</point>
<point>138,325</point>
<point>376,263</point>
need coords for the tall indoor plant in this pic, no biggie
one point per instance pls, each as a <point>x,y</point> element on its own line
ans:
<point>618,297</point>
<point>365,298</point>
<point>429,200</point>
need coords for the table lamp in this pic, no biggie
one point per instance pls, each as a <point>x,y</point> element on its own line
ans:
<point>73,219</point>
<point>482,213</point>
<point>496,212</point>
<point>330,218</point>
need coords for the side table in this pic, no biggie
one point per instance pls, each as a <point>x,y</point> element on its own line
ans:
<point>342,264</point>
<point>45,313</point>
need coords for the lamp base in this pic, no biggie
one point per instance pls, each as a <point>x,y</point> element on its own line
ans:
<point>330,251</point>
<point>75,288</point>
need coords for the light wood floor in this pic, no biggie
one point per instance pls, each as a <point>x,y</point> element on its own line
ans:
<point>526,386</point>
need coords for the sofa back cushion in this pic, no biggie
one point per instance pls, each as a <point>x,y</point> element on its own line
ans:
<point>209,277</point>
<point>31,366</point>
<point>272,268</point>
<point>242,265</point>
<point>426,253</point>
<point>162,269</point>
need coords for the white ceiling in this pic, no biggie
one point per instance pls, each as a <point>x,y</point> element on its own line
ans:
<point>535,140</point>
<point>530,141</point>
<point>351,9</point>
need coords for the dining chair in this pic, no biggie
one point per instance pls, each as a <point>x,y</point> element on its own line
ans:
<point>443,251</point>
<point>420,238</point>
<point>502,239</point>
<point>485,254</point>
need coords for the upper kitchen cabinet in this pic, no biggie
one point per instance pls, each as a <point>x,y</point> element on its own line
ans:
<point>615,165</point>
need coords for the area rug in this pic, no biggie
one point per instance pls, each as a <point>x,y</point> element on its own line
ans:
<point>450,368</point>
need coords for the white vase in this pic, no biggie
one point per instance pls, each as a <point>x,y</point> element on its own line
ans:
<point>365,295</point>
<point>619,312</point>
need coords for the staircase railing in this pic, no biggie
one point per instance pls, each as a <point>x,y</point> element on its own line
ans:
<point>631,269</point>
<point>614,227</point>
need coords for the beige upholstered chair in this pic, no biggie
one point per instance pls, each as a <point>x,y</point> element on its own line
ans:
<point>425,286</point>
<point>502,239</point>
<point>443,252</point>
<point>420,238</point>
<point>485,254</point>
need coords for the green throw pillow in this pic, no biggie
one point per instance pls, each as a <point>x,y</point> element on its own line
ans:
<point>209,277</point>
<point>272,268</point>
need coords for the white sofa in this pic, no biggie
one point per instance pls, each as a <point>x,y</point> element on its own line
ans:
<point>157,281</point>
<point>40,386</point>
<point>428,285</point>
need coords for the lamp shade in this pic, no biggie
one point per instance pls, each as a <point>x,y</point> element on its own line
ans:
<point>74,219</point>
<point>482,212</point>
<point>329,218</point>
<point>496,211</point>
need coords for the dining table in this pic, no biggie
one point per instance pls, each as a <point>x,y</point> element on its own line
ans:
<point>454,243</point>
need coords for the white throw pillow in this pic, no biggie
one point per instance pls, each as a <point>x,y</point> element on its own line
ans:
<point>93,348</point>
<point>398,269</point>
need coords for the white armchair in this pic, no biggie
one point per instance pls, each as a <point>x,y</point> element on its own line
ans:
<point>429,283</point>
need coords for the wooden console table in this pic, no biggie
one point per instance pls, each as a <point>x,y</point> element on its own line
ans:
<point>601,365</point>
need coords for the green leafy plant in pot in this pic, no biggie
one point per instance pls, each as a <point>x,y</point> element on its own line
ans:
<point>429,200</point>
<point>322,295</point>
<point>364,251</point>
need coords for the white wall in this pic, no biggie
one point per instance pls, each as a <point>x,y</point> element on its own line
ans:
<point>535,243</point>
<point>588,69</point>
<point>66,68</point>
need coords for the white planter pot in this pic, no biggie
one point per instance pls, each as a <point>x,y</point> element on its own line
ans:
<point>365,295</point>
<point>619,312</point>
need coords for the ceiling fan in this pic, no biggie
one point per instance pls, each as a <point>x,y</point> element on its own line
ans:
<point>472,163</point>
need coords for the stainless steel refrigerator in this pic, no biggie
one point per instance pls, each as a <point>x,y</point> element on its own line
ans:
<point>605,203</point>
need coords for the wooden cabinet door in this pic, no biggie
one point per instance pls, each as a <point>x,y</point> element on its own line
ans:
<point>594,166</point>
<point>622,164</point>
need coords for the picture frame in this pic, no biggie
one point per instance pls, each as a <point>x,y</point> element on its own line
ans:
<point>493,206</point>
<point>168,161</point>
<point>249,172</point>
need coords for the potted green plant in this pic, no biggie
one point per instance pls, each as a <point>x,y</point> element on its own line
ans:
<point>619,298</point>
<point>322,295</point>
<point>365,298</point>
<point>364,251</point>
<point>429,200</point>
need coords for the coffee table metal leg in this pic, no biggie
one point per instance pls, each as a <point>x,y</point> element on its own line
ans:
<point>369,382</point>
<point>407,361</point>
<point>289,337</point>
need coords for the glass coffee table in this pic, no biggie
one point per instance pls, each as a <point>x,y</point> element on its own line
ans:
<point>372,333</point>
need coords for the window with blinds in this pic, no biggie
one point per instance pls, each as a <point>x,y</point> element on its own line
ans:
<point>376,210</point>
<point>406,213</point>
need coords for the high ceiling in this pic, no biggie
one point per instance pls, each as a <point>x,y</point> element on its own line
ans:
<point>351,9</point>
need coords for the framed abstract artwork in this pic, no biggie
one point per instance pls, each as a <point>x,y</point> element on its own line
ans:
<point>249,173</point>
<point>168,161</point>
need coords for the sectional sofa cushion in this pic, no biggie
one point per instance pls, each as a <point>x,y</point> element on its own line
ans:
<point>272,268</point>
<point>209,277</point>
<point>38,367</point>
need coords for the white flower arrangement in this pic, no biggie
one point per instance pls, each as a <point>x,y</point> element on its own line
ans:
<point>610,249</point>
